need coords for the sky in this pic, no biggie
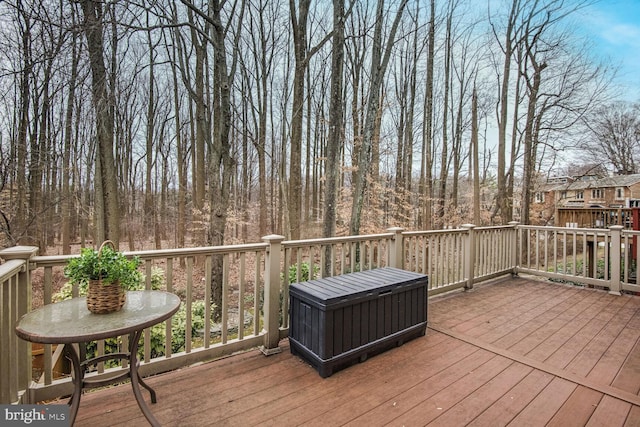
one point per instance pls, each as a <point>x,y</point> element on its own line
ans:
<point>614,28</point>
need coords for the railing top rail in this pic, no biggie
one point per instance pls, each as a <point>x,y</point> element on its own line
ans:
<point>53,260</point>
<point>496,227</point>
<point>334,240</point>
<point>205,250</point>
<point>10,268</point>
<point>575,229</point>
<point>427,232</point>
<point>457,230</point>
<point>586,209</point>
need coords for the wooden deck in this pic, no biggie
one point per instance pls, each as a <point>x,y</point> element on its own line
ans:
<point>516,352</point>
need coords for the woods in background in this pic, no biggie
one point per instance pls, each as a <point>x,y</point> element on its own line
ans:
<point>205,122</point>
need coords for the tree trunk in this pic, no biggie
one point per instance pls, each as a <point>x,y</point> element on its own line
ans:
<point>21,221</point>
<point>379,62</point>
<point>149,210</point>
<point>67,196</point>
<point>221,165</point>
<point>181,140</point>
<point>202,135</point>
<point>503,201</point>
<point>444,158</point>
<point>475,150</point>
<point>299,25</point>
<point>103,105</point>
<point>529,141</point>
<point>426,187</point>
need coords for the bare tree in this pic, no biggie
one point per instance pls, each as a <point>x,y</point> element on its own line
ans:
<point>108,217</point>
<point>19,150</point>
<point>379,61</point>
<point>259,67</point>
<point>475,157</point>
<point>426,177</point>
<point>405,76</point>
<point>302,53</point>
<point>503,202</point>
<point>221,165</point>
<point>615,137</point>
<point>335,136</point>
<point>67,196</point>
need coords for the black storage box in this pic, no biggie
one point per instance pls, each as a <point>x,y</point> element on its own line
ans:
<point>338,320</point>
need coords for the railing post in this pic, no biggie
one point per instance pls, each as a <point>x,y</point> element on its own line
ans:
<point>615,257</point>
<point>396,253</point>
<point>16,306</point>
<point>469,256</point>
<point>517,250</point>
<point>272,295</point>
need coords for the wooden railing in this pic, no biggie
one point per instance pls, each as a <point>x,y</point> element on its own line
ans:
<point>602,258</point>
<point>15,299</point>
<point>594,217</point>
<point>256,281</point>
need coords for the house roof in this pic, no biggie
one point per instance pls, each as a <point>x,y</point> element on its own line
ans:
<point>607,182</point>
<point>619,181</point>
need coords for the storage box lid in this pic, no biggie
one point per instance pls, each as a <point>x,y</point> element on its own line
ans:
<point>352,286</point>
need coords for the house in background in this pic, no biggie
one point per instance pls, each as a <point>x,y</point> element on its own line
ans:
<point>621,191</point>
<point>561,199</point>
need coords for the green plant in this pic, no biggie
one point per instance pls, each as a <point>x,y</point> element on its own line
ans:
<point>66,291</point>
<point>157,332</point>
<point>107,265</point>
<point>304,272</point>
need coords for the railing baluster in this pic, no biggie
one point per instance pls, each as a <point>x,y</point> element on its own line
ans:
<point>555,251</point>
<point>298,265</point>
<point>628,257</point>
<point>257,282</point>
<point>168,348</point>
<point>13,340</point>
<point>8,355</point>
<point>241,286</point>
<point>147,332</point>
<point>47,349</point>
<point>606,241</point>
<point>5,330</point>
<point>225,300</point>
<point>323,258</point>
<point>188,306</point>
<point>424,253</point>
<point>528,249</point>
<point>311,263</point>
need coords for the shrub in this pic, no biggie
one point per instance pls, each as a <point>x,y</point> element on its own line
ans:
<point>158,332</point>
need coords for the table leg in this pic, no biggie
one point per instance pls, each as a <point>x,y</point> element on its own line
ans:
<point>77,379</point>
<point>136,380</point>
<point>149,389</point>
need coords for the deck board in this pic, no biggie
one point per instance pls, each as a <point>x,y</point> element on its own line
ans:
<point>544,406</point>
<point>352,390</point>
<point>507,407</point>
<point>577,409</point>
<point>397,403</point>
<point>610,412</point>
<point>481,399</point>
<point>628,377</point>
<point>515,352</point>
<point>633,418</point>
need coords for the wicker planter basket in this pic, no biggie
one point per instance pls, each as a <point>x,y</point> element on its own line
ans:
<point>102,299</point>
<point>105,298</point>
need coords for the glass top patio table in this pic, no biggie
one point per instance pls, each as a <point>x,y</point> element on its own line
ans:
<point>70,322</point>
